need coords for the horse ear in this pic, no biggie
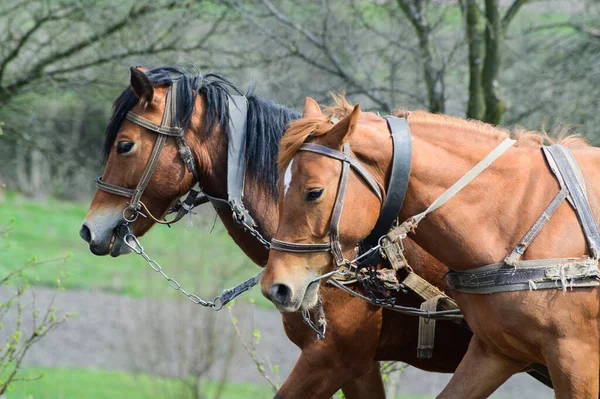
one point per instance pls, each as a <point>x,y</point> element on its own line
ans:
<point>142,88</point>
<point>311,109</point>
<point>341,131</point>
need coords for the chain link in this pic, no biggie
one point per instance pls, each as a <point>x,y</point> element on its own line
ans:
<point>253,232</point>
<point>216,304</point>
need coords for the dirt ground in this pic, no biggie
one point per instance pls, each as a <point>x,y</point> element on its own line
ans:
<point>175,338</point>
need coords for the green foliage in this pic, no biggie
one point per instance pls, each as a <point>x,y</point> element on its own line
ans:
<point>19,340</point>
<point>193,256</point>
<point>59,383</point>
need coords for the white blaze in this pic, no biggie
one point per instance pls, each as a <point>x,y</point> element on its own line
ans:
<point>287,178</point>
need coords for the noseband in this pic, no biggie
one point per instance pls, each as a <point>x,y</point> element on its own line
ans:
<point>169,127</point>
<point>333,246</point>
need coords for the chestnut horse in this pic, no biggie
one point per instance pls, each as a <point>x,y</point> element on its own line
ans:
<point>480,225</point>
<point>358,334</point>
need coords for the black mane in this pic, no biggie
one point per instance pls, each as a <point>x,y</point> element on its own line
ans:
<point>266,121</point>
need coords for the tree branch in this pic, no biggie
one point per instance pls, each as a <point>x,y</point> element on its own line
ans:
<point>511,12</point>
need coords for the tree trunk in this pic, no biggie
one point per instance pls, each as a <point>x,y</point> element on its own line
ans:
<point>474,31</point>
<point>434,79</point>
<point>494,105</point>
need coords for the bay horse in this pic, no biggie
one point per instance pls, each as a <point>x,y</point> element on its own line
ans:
<point>478,226</point>
<point>359,334</point>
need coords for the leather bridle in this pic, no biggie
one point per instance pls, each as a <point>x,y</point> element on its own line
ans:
<point>333,246</point>
<point>169,127</point>
<point>390,208</point>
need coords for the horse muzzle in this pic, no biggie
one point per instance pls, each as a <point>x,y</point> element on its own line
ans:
<point>101,232</point>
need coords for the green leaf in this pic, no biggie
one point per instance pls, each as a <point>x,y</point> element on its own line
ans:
<point>256,335</point>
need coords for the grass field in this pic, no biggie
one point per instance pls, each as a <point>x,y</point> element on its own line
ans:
<point>71,383</point>
<point>201,261</point>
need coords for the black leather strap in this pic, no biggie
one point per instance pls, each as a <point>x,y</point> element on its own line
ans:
<point>285,246</point>
<point>397,186</point>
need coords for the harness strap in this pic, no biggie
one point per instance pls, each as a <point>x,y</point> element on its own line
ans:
<point>344,157</point>
<point>523,244</point>
<point>526,275</point>
<point>236,159</point>
<point>400,231</point>
<point>285,246</point>
<point>567,168</point>
<point>397,186</point>
<point>426,338</point>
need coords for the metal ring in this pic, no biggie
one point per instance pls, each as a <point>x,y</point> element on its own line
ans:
<point>217,304</point>
<point>133,218</point>
<point>137,247</point>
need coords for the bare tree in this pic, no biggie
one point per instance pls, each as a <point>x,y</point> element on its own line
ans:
<point>45,42</point>
<point>56,56</point>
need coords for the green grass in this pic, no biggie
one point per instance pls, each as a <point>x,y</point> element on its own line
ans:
<point>202,262</point>
<point>70,383</point>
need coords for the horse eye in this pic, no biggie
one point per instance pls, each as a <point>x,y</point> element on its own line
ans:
<point>314,194</point>
<point>124,147</point>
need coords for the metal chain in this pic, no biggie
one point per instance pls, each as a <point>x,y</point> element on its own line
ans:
<point>216,304</point>
<point>320,327</point>
<point>253,232</point>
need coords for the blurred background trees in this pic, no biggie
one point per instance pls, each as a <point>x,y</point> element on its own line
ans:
<point>502,61</point>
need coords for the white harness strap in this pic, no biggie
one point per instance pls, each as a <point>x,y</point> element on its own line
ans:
<point>466,179</point>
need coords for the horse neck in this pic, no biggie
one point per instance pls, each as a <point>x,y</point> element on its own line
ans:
<point>484,221</point>
<point>212,153</point>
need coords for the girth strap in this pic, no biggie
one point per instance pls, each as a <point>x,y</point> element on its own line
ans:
<point>526,275</point>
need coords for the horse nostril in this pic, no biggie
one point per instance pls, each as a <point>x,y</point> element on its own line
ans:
<point>280,293</point>
<point>85,233</point>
